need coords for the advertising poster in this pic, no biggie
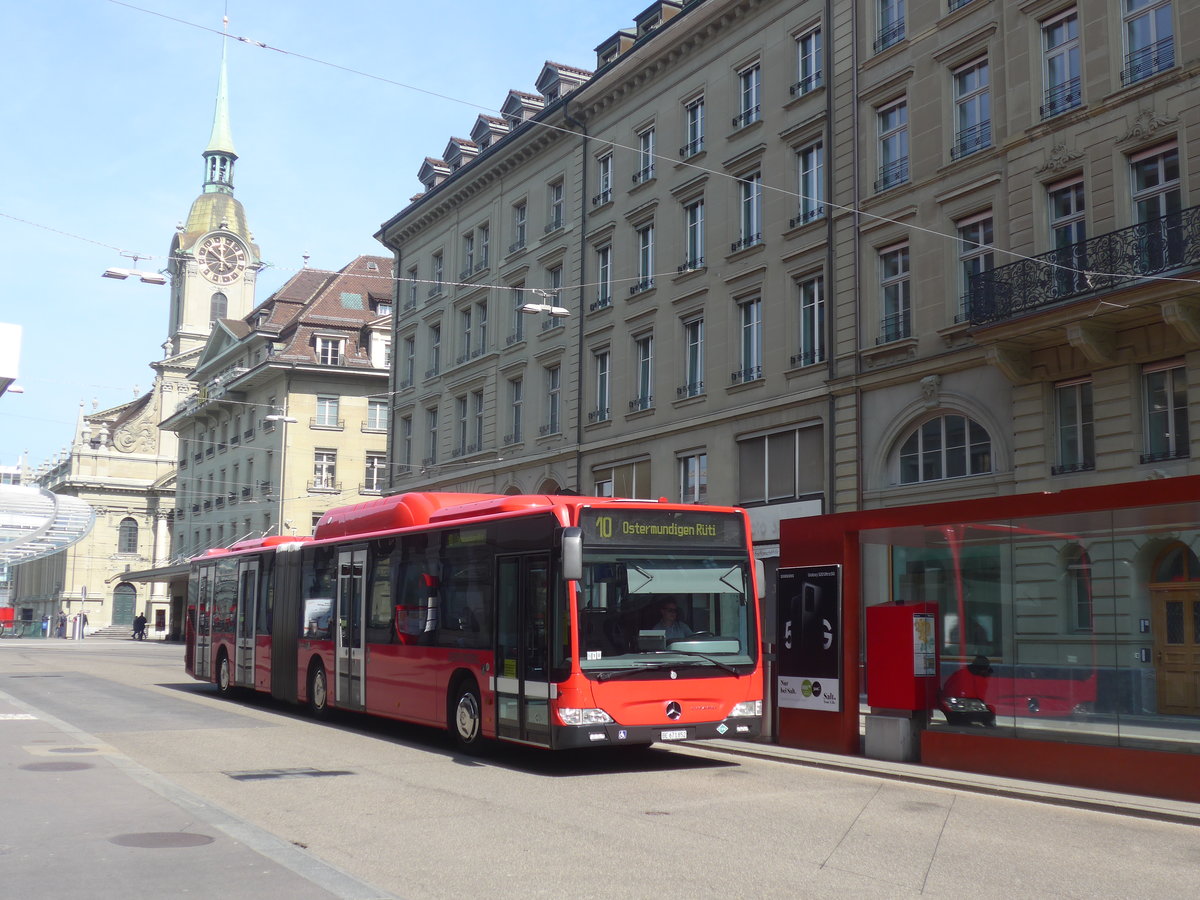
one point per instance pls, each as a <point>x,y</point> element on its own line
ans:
<point>809,602</point>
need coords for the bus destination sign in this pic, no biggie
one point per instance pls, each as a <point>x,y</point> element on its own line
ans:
<point>661,528</point>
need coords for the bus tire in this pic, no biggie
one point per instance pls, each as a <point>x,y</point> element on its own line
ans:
<point>465,715</point>
<point>318,691</point>
<point>224,675</point>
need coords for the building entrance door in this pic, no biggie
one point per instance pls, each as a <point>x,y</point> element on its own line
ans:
<point>1176,627</point>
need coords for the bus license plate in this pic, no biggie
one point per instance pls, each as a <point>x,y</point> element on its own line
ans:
<point>673,735</point>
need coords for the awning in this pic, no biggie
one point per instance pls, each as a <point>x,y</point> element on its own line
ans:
<point>162,573</point>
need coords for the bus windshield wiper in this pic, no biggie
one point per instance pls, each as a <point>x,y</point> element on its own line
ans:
<point>707,658</point>
<point>651,667</point>
<point>640,667</point>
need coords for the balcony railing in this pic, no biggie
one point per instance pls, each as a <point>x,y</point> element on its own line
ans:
<point>1150,60</point>
<point>895,327</point>
<point>972,139</point>
<point>746,375</point>
<point>1096,265</point>
<point>638,404</point>
<point>748,116</point>
<point>692,147</point>
<point>750,240</point>
<point>808,357</point>
<point>889,35</point>
<point>643,285</point>
<point>806,85</point>
<point>1164,455</point>
<point>892,174</point>
<point>691,389</point>
<point>645,173</point>
<point>816,211</point>
<point>691,264</point>
<point>1062,97</point>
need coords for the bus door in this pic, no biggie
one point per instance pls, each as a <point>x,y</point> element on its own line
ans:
<point>247,608</point>
<point>350,661</point>
<point>523,689</point>
<point>207,576</point>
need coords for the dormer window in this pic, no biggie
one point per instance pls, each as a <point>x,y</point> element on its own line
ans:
<point>330,350</point>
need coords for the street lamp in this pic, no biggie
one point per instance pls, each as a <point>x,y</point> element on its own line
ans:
<point>145,277</point>
<point>121,273</point>
<point>285,420</point>
<point>551,309</point>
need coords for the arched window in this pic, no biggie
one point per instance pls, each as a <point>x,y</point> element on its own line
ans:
<point>1078,571</point>
<point>218,307</point>
<point>949,446</point>
<point>127,537</point>
<point>1176,563</point>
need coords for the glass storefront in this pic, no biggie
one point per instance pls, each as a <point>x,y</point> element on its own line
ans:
<point>1078,627</point>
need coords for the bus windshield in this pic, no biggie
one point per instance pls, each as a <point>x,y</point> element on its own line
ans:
<point>648,607</point>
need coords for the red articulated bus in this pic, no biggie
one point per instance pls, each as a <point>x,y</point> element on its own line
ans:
<point>552,621</point>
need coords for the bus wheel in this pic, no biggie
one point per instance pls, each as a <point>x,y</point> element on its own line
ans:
<point>318,692</point>
<point>224,676</point>
<point>466,715</point>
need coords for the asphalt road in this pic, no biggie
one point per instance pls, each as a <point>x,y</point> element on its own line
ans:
<point>123,777</point>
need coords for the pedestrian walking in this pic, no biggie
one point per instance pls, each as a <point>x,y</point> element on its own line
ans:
<point>62,623</point>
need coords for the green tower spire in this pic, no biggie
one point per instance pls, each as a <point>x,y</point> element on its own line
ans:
<point>219,155</point>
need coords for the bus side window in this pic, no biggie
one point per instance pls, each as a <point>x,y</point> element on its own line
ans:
<point>380,599</point>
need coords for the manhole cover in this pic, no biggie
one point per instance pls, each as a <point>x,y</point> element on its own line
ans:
<point>158,840</point>
<point>72,749</point>
<point>56,767</point>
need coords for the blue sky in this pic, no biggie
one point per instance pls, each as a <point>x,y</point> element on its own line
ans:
<point>107,108</point>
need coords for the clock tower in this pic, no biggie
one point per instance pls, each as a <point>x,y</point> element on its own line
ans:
<point>214,261</point>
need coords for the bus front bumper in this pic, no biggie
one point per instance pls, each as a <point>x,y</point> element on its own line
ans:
<point>567,737</point>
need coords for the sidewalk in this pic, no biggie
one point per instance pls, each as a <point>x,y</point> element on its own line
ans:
<point>1176,811</point>
<point>83,820</point>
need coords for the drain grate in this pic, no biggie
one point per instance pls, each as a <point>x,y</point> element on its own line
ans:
<point>265,774</point>
<point>160,840</point>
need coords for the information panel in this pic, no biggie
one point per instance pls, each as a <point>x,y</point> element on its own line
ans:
<point>809,602</point>
<point>641,527</point>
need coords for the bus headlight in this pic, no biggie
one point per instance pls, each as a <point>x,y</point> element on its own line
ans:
<point>746,708</point>
<point>570,716</point>
<point>964,704</point>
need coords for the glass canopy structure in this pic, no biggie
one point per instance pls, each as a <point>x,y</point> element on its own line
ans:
<point>36,523</point>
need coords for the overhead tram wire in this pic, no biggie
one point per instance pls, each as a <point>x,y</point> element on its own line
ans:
<point>1019,257</point>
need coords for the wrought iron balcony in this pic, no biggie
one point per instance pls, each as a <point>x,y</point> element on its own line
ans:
<point>892,174</point>
<point>889,35</point>
<point>895,327</point>
<point>746,375</point>
<point>748,116</point>
<point>1097,265</point>
<point>972,139</point>
<point>811,214</point>
<point>1062,97</point>
<point>806,85</point>
<point>1149,60</point>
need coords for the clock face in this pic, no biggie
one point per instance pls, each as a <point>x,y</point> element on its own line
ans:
<point>221,258</point>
